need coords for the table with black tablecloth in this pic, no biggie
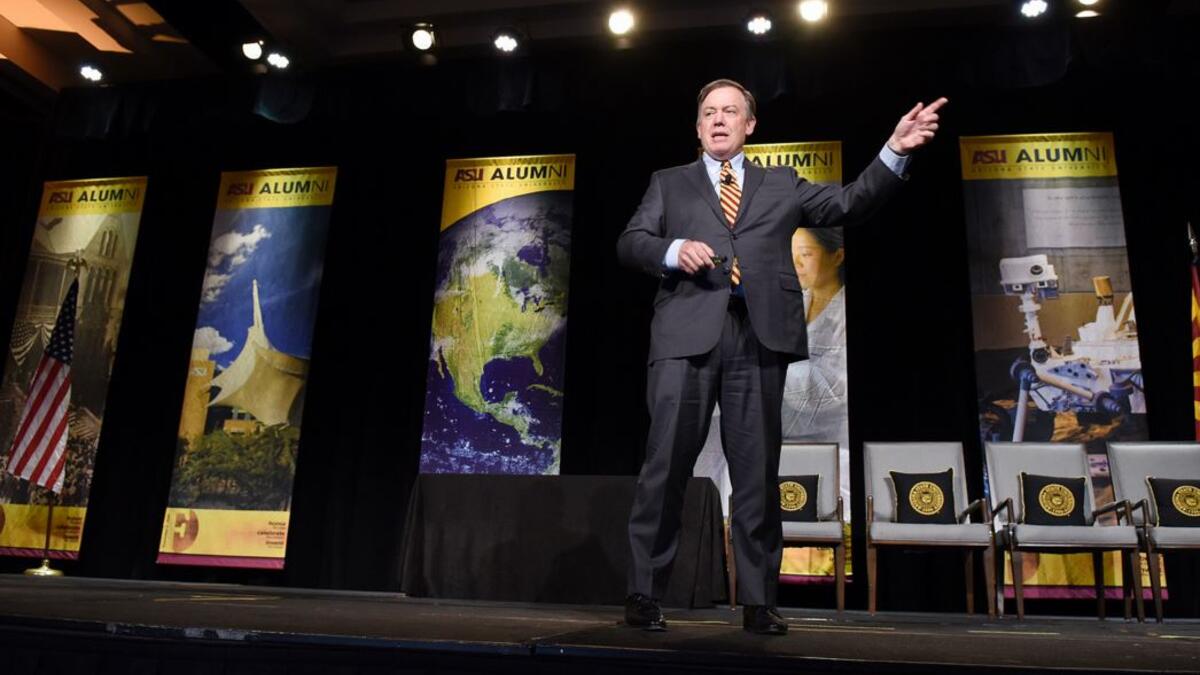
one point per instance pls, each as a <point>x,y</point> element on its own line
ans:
<point>561,539</point>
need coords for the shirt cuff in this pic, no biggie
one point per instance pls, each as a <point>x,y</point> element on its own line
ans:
<point>671,259</point>
<point>894,161</point>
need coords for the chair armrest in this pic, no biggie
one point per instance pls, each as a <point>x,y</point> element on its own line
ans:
<point>870,513</point>
<point>979,505</point>
<point>1006,508</point>
<point>1143,506</point>
<point>1121,508</point>
<point>841,512</point>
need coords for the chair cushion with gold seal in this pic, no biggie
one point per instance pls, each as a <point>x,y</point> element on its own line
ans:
<point>1176,501</point>
<point>798,498</point>
<point>1052,500</point>
<point>924,497</point>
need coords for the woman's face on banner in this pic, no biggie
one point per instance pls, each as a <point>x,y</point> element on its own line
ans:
<point>815,266</point>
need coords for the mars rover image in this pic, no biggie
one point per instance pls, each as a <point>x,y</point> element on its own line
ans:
<point>1096,376</point>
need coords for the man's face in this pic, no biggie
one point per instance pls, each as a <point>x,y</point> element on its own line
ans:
<point>724,123</point>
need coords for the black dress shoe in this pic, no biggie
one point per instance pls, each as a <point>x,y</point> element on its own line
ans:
<point>643,612</point>
<point>763,620</point>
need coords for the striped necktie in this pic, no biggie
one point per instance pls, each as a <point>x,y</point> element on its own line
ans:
<point>731,197</point>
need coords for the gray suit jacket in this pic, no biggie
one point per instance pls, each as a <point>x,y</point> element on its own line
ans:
<point>681,203</point>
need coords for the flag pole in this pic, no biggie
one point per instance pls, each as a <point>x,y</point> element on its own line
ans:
<point>45,570</point>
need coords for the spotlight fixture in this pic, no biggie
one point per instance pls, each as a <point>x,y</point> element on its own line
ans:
<point>422,37</point>
<point>813,11</point>
<point>620,22</point>
<point>278,60</point>
<point>1088,3</point>
<point>91,73</point>
<point>506,40</point>
<point>759,23</point>
<point>253,50</point>
<point>1031,9</point>
<point>1086,14</point>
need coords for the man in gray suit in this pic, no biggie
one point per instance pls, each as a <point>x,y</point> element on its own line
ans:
<point>728,318</point>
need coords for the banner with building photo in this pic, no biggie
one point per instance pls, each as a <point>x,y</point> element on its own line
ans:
<point>1052,308</point>
<point>814,397</point>
<point>493,401</point>
<point>96,220</point>
<point>239,431</point>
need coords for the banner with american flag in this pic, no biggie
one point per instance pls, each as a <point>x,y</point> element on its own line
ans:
<point>90,224</point>
<point>39,450</point>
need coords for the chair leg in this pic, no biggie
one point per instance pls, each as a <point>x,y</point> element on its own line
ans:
<point>871,577</point>
<point>989,579</point>
<point>1126,585</point>
<point>1098,580</point>
<point>1135,566</point>
<point>969,575</point>
<point>1014,563</point>
<point>1155,582</point>
<point>839,574</point>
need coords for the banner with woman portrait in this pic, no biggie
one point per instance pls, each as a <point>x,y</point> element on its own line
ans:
<point>96,221</point>
<point>239,431</point>
<point>815,391</point>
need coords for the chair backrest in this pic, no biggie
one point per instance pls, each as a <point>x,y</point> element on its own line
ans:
<point>803,459</point>
<point>1131,463</point>
<point>1006,460</point>
<point>880,458</point>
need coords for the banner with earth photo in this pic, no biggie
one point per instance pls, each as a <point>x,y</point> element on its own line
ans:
<point>97,221</point>
<point>815,391</point>
<point>239,431</point>
<point>1055,330</point>
<point>493,402</point>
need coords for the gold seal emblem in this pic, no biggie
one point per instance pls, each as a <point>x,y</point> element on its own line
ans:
<point>792,496</point>
<point>1056,500</point>
<point>926,498</point>
<point>1186,499</point>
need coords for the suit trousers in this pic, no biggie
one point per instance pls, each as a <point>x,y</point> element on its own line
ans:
<point>748,380</point>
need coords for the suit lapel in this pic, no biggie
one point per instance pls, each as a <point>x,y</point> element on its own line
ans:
<point>753,179</point>
<point>698,177</point>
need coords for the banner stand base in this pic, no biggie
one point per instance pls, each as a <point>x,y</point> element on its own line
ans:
<point>44,571</point>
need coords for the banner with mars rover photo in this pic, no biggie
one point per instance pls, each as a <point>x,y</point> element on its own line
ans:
<point>1056,348</point>
<point>239,431</point>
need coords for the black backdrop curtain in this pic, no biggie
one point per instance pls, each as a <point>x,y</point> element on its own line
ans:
<point>625,113</point>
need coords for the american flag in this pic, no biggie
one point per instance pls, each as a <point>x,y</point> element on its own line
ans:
<point>39,450</point>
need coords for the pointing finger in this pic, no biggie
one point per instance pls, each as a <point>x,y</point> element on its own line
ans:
<point>933,107</point>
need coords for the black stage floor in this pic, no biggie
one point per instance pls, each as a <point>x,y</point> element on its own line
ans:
<point>104,626</point>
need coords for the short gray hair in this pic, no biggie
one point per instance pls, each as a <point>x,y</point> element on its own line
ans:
<point>707,89</point>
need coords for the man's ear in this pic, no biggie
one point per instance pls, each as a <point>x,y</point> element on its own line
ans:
<point>750,125</point>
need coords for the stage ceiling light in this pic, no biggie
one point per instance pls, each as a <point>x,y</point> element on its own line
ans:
<point>506,40</point>
<point>1086,14</point>
<point>253,50</point>
<point>759,23</point>
<point>278,60</point>
<point>91,73</point>
<point>422,37</point>
<point>813,11</point>
<point>1088,3</point>
<point>620,22</point>
<point>1031,9</point>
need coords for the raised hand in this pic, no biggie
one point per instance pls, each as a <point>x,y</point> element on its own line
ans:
<point>916,128</point>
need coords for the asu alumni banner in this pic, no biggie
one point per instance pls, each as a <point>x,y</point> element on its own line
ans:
<point>493,401</point>
<point>1055,330</point>
<point>235,455</point>
<point>96,220</point>
<point>814,396</point>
